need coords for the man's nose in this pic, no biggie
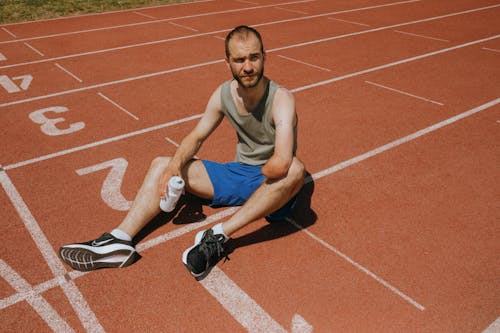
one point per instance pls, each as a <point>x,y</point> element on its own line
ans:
<point>247,66</point>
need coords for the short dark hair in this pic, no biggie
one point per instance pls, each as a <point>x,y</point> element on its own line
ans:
<point>245,30</point>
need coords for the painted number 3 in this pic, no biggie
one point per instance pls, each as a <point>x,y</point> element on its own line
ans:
<point>48,125</point>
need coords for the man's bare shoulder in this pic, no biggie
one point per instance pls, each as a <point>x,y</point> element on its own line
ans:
<point>284,95</point>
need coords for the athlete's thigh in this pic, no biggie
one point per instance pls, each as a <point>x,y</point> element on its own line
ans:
<point>197,179</point>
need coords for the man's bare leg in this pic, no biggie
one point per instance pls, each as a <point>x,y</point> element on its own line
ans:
<point>146,204</point>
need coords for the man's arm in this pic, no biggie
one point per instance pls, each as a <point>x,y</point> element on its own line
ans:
<point>192,142</point>
<point>285,120</point>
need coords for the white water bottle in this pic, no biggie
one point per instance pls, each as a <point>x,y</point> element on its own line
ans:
<point>175,188</point>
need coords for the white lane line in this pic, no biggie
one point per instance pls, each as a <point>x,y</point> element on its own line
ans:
<point>241,306</point>
<point>379,28</point>
<point>256,25</point>
<point>248,2</point>
<point>11,300</point>
<point>34,49</point>
<point>75,297</point>
<point>360,267</point>
<point>404,93</point>
<point>160,20</point>
<point>68,72</point>
<point>219,37</point>
<point>118,106</point>
<point>405,139</point>
<point>178,69</point>
<point>182,26</point>
<point>172,142</point>
<point>304,63</point>
<point>2,57</point>
<point>346,21</point>
<point>291,10</point>
<point>226,30</point>
<point>101,142</point>
<point>43,287</point>
<point>294,90</point>
<point>144,15</point>
<point>10,33</point>
<point>392,64</point>
<point>421,36</point>
<point>489,49</point>
<point>100,85</point>
<point>494,327</point>
<point>37,302</point>
<point>177,145</point>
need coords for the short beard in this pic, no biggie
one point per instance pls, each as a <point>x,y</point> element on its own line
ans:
<point>246,86</point>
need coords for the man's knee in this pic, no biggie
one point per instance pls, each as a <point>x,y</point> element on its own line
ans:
<point>297,171</point>
<point>160,162</point>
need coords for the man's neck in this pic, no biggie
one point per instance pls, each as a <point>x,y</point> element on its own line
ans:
<point>252,96</point>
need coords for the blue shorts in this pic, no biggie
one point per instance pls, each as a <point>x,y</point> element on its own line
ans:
<point>234,183</point>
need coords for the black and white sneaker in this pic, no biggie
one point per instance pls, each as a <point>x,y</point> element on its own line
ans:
<point>206,252</point>
<point>105,251</point>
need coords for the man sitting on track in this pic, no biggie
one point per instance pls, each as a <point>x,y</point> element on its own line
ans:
<point>264,179</point>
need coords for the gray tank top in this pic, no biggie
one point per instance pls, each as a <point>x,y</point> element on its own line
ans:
<point>254,131</point>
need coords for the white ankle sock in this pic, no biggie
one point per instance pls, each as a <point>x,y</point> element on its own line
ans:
<point>217,229</point>
<point>121,235</point>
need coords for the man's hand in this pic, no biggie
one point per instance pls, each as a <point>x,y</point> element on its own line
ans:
<point>169,172</point>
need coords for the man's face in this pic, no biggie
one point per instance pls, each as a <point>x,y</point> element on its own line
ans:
<point>246,60</point>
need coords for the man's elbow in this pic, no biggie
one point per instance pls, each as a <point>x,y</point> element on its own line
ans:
<point>276,169</point>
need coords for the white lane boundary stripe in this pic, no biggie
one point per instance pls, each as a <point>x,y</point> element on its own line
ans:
<point>121,108</point>
<point>240,305</point>
<point>404,93</point>
<point>144,15</point>
<point>37,302</point>
<point>405,139</point>
<point>294,90</point>
<point>226,30</point>
<point>327,39</point>
<point>304,63</point>
<point>101,142</point>
<point>182,26</point>
<point>490,49</point>
<point>144,76</point>
<point>392,64</point>
<point>291,10</point>
<point>105,84</point>
<point>494,327</point>
<point>76,299</point>
<point>11,300</point>
<point>421,36</point>
<point>157,21</point>
<point>68,72</point>
<point>10,33</point>
<point>346,21</point>
<point>361,268</point>
<point>34,49</point>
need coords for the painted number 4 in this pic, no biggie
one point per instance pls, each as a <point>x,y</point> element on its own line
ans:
<point>12,87</point>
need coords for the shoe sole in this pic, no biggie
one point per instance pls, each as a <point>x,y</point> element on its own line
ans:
<point>86,258</point>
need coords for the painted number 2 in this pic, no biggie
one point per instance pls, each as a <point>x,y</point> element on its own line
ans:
<point>48,125</point>
<point>111,188</point>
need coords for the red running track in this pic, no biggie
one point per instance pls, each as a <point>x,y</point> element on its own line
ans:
<point>396,229</point>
